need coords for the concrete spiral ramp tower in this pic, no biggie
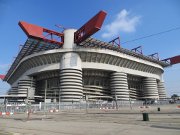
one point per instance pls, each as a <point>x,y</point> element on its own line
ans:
<point>161,90</point>
<point>150,88</point>
<point>119,86</point>
<point>70,71</point>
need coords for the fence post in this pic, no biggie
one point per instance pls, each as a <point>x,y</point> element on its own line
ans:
<point>130,103</point>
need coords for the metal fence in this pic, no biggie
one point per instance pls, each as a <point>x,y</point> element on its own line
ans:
<point>51,107</point>
<point>46,107</point>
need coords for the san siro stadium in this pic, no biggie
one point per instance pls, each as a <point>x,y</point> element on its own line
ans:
<point>81,67</point>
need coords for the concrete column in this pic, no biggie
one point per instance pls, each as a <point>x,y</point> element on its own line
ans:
<point>150,88</point>
<point>69,39</point>
<point>70,71</point>
<point>119,86</point>
<point>161,90</point>
<point>26,87</point>
<point>13,90</point>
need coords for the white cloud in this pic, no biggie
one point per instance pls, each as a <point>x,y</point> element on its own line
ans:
<point>124,22</point>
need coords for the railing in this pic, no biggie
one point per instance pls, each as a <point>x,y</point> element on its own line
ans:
<point>50,107</point>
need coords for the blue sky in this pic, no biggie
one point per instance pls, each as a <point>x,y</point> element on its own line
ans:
<point>129,19</point>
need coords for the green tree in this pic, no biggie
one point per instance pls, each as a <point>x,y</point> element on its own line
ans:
<point>174,96</point>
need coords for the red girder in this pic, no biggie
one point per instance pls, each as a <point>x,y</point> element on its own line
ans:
<point>173,60</point>
<point>2,77</point>
<point>91,27</point>
<point>38,32</point>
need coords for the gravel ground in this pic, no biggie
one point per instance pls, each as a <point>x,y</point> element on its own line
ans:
<point>95,122</point>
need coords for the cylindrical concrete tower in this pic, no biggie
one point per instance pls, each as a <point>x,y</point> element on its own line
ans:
<point>69,39</point>
<point>119,86</point>
<point>26,87</point>
<point>150,88</point>
<point>70,71</point>
<point>161,90</point>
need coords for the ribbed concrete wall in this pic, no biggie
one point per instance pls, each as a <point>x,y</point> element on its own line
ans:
<point>26,87</point>
<point>134,93</point>
<point>135,87</point>
<point>96,92</point>
<point>13,91</point>
<point>161,90</point>
<point>70,85</point>
<point>150,88</point>
<point>119,86</point>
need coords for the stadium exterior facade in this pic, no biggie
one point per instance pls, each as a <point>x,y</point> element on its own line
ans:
<point>92,68</point>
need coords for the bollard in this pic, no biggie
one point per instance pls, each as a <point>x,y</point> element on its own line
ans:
<point>158,109</point>
<point>145,116</point>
